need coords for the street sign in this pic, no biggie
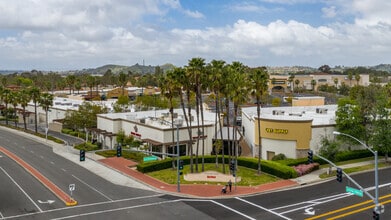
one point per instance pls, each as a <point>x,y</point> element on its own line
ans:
<point>150,158</point>
<point>71,187</point>
<point>354,191</point>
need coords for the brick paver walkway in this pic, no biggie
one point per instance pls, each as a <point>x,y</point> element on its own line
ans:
<point>197,190</point>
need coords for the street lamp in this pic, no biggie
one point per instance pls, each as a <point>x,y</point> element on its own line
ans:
<point>178,122</point>
<point>376,168</point>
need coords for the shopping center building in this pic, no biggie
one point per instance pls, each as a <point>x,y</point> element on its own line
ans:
<point>291,131</point>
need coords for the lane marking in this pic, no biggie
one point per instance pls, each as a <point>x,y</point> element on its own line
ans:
<point>233,210</point>
<point>85,205</point>
<point>358,210</point>
<point>268,210</point>
<point>52,162</point>
<point>93,188</point>
<point>1,215</point>
<point>346,208</point>
<point>35,204</point>
<point>114,210</point>
<point>63,169</point>
<point>307,206</point>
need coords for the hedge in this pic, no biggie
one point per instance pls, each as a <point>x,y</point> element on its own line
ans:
<point>270,167</point>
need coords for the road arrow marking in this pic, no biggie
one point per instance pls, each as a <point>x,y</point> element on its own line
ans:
<point>309,211</point>
<point>48,202</point>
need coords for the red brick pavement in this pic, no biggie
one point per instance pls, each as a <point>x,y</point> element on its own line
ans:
<point>198,190</point>
<point>45,181</point>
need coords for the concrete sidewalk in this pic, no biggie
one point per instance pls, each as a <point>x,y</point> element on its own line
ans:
<point>120,171</point>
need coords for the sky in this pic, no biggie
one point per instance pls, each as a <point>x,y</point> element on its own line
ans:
<point>55,35</point>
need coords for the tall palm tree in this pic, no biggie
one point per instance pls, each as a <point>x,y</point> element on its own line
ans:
<point>24,99</point>
<point>14,100</point>
<point>196,69</point>
<point>46,101</point>
<point>169,88</point>
<point>240,95</point>
<point>357,77</point>
<point>35,95</point>
<point>70,80</point>
<point>216,68</point>
<point>258,79</point>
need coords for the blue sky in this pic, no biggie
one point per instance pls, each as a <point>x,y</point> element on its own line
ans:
<point>77,34</point>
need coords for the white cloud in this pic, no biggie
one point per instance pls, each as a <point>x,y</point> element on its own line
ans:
<point>329,12</point>
<point>80,34</point>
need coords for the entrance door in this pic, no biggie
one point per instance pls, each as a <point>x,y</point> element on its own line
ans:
<point>270,154</point>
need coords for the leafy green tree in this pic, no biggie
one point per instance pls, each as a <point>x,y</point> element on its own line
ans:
<point>349,119</point>
<point>380,137</point>
<point>122,104</point>
<point>84,117</point>
<point>329,148</point>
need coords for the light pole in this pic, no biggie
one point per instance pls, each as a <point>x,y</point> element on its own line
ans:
<point>376,168</point>
<point>178,122</point>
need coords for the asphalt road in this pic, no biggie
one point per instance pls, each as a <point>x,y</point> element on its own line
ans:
<point>23,197</point>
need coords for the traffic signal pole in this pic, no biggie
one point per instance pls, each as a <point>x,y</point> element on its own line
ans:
<point>350,178</point>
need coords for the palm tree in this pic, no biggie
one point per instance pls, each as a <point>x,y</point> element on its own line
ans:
<point>297,82</point>
<point>169,87</point>
<point>46,101</point>
<point>90,81</point>
<point>216,68</point>
<point>313,84</point>
<point>258,79</point>
<point>291,79</point>
<point>357,77</point>
<point>122,81</point>
<point>14,100</point>
<point>24,99</point>
<point>336,82</point>
<point>196,69</point>
<point>70,80</point>
<point>35,94</point>
<point>240,95</point>
<point>350,77</point>
<point>6,97</point>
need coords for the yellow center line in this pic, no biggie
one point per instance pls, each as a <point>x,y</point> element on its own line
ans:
<point>357,211</point>
<point>346,208</point>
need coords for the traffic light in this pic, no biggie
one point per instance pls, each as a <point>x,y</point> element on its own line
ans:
<point>180,165</point>
<point>119,151</point>
<point>339,175</point>
<point>310,156</point>
<point>375,215</point>
<point>82,155</point>
<point>232,165</point>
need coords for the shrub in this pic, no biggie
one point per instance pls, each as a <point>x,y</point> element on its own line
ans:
<point>273,168</point>
<point>279,157</point>
<point>350,155</point>
<point>303,169</point>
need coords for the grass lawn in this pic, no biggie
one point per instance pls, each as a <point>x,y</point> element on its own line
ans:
<point>249,177</point>
<point>356,169</point>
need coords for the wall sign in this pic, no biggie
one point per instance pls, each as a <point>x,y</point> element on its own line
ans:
<point>276,130</point>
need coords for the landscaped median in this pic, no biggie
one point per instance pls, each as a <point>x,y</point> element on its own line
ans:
<point>46,182</point>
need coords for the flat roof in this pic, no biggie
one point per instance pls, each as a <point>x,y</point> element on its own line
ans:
<point>320,115</point>
<point>160,118</point>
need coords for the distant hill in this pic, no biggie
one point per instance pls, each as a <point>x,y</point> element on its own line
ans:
<point>382,67</point>
<point>116,69</point>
